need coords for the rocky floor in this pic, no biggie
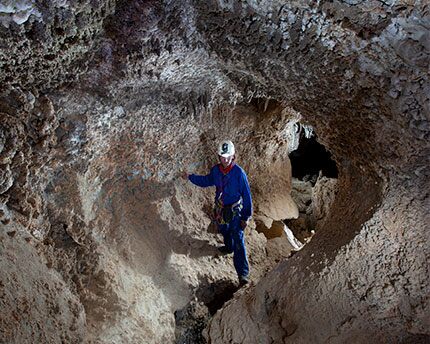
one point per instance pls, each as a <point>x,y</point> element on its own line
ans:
<point>104,104</point>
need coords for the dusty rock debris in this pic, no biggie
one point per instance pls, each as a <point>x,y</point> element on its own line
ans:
<point>103,104</point>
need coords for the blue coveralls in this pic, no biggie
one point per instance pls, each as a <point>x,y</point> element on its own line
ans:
<point>232,186</point>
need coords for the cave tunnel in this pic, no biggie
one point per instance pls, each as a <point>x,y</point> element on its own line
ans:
<point>104,105</point>
<point>310,158</point>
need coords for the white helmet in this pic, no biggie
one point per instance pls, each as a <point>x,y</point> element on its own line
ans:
<point>226,149</point>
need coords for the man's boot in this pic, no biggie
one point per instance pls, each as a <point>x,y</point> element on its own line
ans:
<point>243,280</point>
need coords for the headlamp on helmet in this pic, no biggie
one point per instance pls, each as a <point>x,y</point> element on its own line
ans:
<point>226,149</point>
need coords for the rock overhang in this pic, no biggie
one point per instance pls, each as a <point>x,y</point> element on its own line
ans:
<point>356,72</point>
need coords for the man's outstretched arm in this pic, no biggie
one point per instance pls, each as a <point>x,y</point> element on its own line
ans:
<point>202,181</point>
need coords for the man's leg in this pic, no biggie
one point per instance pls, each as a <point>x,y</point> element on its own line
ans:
<point>226,232</point>
<point>240,259</point>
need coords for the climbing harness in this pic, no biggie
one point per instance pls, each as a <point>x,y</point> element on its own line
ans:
<point>223,214</point>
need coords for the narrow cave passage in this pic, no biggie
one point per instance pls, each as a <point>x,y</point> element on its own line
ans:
<point>314,178</point>
<point>312,181</point>
<point>310,158</point>
<point>269,171</point>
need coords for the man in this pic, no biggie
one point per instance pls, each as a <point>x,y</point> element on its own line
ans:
<point>233,205</point>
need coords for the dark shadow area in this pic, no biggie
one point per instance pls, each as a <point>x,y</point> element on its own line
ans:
<point>190,322</point>
<point>416,339</point>
<point>216,294</point>
<point>310,158</point>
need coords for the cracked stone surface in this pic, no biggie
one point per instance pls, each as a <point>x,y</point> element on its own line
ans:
<point>104,103</point>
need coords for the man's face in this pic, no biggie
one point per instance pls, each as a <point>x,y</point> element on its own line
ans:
<point>225,162</point>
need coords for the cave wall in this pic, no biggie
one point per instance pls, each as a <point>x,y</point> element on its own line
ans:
<point>367,265</point>
<point>37,304</point>
<point>103,103</point>
<point>129,239</point>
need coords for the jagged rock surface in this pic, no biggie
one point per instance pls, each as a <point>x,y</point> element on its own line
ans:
<point>103,103</point>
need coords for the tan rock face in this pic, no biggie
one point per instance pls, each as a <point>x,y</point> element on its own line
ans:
<point>104,104</point>
<point>37,305</point>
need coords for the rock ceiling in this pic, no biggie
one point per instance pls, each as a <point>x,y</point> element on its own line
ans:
<point>103,103</point>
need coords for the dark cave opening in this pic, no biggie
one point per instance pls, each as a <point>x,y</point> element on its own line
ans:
<point>310,158</point>
<point>191,320</point>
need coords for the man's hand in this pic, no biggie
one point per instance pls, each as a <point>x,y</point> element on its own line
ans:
<point>184,175</point>
<point>243,224</point>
